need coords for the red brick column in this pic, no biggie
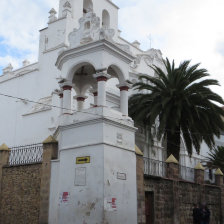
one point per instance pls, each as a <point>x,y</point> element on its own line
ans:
<point>140,186</point>
<point>199,175</point>
<point>50,152</point>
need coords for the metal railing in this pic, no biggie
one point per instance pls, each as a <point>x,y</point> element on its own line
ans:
<point>154,167</point>
<point>158,168</point>
<point>186,173</point>
<point>27,154</point>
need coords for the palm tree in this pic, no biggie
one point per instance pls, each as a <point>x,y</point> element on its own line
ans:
<point>182,102</point>
<point>216,158</point>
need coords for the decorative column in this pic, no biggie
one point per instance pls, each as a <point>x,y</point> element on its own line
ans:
<point>61,102</point>
<point>80,102</point>
<point>199,174</point>
<point>172,168</point>
<point>67,97</point>
<point>101,78</point>
<point>124,97</point>
<point>50,152</point>
<point>95,95</point>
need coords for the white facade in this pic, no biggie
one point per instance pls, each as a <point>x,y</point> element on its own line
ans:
<point>103,190</point>
<point>29,122</point>
<point>78,44</point>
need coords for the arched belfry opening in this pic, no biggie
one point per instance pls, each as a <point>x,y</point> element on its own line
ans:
<point>113,94</point>
<point>117,81</point>
<point>87,6</point>
<point>92,86</point>
<point>84,83</point>
<point>105,19</point>
<point>115,72</point>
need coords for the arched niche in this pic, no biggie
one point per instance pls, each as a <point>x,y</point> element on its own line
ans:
<point>105,19</point>
<point>83,79</point>
<point>87,6</point>
<point>113,94</point>
<point>116,72</point>
<point>84,83</point>
<point>117,78</point>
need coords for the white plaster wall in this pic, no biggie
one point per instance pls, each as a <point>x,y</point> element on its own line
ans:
<point>119,161</point>
<point>38,82</point>
<point>108,156</point>
<point>196,158</point>
<point>54,192</point>
<point>85,203</point>
<point>100,5</point>
<point>20,129</point>
<point>41,79</point>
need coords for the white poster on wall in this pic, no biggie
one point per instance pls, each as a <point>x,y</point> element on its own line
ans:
<point>80,176</point>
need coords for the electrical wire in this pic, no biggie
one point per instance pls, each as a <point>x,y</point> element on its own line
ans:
<point>58,107</point>
<point>84,112</point>
<point>54,106</point>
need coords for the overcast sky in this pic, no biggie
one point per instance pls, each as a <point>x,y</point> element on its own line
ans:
<point>181,29</point>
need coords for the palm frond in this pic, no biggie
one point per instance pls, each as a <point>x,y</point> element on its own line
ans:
<point>181,99</point>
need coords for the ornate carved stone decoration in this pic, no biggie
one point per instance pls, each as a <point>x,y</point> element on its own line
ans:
<point>67,5</point>
<point>136,62</point>
<point>67,9</point>
<point>42,105</point>
<point>8,70</point>
<point>150,57</point>
<point>106,33</point>
<point>153,57</point>
<point>89,31</point>
<point>26,63</point>
<point>52,16</point>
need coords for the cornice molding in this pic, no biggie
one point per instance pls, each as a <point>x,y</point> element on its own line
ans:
<point>100,45</point>
<point>96,121</point>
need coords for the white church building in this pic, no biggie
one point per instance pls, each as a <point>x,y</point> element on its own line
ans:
<point>78,92</point>
<point>80,85</point>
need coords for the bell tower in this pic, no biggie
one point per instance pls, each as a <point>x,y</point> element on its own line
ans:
<point>106,10</point>
<point>94,180</point>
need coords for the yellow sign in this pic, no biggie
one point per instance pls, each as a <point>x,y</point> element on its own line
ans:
<point>83,160</point>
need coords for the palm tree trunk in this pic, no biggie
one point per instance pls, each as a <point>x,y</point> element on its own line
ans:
<point>173,143</point>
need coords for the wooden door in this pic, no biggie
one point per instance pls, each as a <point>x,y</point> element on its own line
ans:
<point>149,207</point>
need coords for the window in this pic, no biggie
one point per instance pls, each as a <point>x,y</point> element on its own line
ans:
<point>87,6</point>
<point>105,19</point>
